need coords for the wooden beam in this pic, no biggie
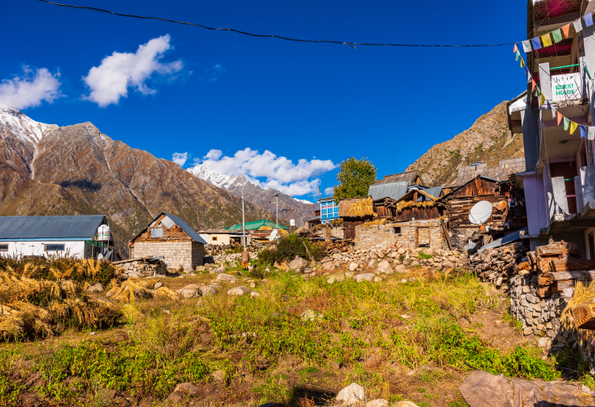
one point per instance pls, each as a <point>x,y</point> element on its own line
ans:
<point>571,264</point>
<point>584,315</point>
<point>557,249</point>
<point>570,275</point>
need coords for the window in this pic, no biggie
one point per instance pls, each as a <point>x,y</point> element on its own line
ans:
<point>214,238</point>
<point>397,230</point>
<point>3,247</point>
<point>54,247</point>
<point>157,232</point>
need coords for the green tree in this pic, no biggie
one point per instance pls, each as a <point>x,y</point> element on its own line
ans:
<point>355,178</point>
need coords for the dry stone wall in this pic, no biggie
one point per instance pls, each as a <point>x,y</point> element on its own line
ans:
<point>408,235</point>
<point>176,254</point>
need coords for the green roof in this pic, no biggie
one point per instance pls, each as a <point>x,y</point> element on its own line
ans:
<point>257,224</point>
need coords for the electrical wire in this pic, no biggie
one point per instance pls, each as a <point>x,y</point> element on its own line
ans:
<point>349,43</point>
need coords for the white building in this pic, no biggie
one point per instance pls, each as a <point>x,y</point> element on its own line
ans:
<point>223,237</point>
<point>61,236</point>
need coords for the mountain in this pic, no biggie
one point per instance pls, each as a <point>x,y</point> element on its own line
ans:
<point>289,208</point>
<point>73,170</point>
<point>488,140</point>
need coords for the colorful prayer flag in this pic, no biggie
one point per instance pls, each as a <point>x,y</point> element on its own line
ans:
<point>554,111</point>
<point>591,134</point>
<point>578,25</point>
<point>534,85</point>
<point>566,30</point>
<point>557,34</point>
<point>583,131</point>
<point>527,46</point>
<point>515,49</point>
<point>588,19</point>
<point>573,127</point>
<point>542,99</point>
<point>559,117</point>
<point>536,43</point>
<point>518,55</point>
<point>522,62</point>
<point>547,40</point>
<point>566,123</point>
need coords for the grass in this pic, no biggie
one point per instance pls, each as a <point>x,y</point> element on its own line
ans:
<point>268,353</point>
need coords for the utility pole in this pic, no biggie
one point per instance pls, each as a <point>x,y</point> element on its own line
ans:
<point>302,218</point>
<point>243,221</point>
<point>277,205</point>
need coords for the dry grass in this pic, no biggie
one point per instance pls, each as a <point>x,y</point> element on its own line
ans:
<point>581,294</point>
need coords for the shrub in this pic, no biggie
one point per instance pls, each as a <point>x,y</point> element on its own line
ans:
<point>289,247</point>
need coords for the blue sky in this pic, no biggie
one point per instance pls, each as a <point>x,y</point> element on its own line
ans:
<point>193,91</point>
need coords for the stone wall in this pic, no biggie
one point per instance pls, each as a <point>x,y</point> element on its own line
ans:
<point>187,254</point>
<point>401,234</point>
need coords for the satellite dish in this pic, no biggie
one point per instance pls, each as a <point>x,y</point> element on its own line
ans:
<point>273,235</point>
<point>480,212</point>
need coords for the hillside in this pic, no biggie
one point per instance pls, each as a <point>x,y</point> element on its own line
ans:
<point>488,140</point>
<point>72,170</point>
<point>289,208</point>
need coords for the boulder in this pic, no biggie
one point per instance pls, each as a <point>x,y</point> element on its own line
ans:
<point>384,267</point>
<point>405,404</point>
<point>377,279</point>
<point>96,288</point>
<point>241,290</point>
<point>182,391</point>
<point>401,268</point>
<point>353,266</point>
<point>157,285</point>
<point>372,263</point>
<point>201,268</point>
<point>329,265</point>
<point>311,315</point>
<point>298,264</point>
<point>208,290</point>
<point>377,403</point>
<point>365,276</point>
<point>217,270</point>
<point>190,291</point>
<point>226,277</point>
<point>354,393</point>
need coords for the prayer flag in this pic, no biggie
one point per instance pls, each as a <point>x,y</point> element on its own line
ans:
<point>515,49</point>
<point>527,46</point>
<point>588,19</point>
<point>529,78</point>
<point>559,117</point>
<point>547,40</point>
<point>573,127</point>
<point>578,25</point>
<point>591,135</point>
<point>518,55</point>
<point>566,123</point>
<point>583,131</point>
<point>536,43</point>
<point>566,30</point>
<point>522,62</point>
<point>542,99</point>
<point>557,34</point>
<point>534,85</point>
<point>554,111</point>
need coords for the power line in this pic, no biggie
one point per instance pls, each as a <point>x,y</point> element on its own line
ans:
<point>351,44</point>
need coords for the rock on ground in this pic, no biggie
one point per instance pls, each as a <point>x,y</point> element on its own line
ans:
<point>241,290</point>
<point>183,390</point>
<point>254,294</point>
<point>365,276</point>
<point>298,264</point>
<point>353,266</point>
<point>190,291</point>
<point>208,290</point>
<point>377,403</point>
<point>96,288</point>
<point>311,315</point>
<point>354,393</point>
<point>401,268</point>
<point>372,263</point>
<point>384,267</point>
<point>225,277</point>
<point>157,285</point>
<point>405,404</point>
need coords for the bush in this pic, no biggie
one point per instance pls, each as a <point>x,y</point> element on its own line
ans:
<point>289,247</point>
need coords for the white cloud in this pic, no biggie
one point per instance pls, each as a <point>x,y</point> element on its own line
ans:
<point>270,171</point>
<point>30,89</point>
<point>216,72</point>
<point>122,70</point>
<point>329,191</point>
<point>180,158</point>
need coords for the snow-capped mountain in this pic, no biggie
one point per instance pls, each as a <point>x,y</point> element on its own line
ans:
<point>289,207</point>
<point>22,127</point>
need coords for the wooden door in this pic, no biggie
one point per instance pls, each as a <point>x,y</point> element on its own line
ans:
<point>422,236</point>
<point>568,171</point>
<point>591,246</point>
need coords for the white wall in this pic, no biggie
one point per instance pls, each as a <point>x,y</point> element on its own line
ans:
<point>72,249</point>
<point>222,238</point>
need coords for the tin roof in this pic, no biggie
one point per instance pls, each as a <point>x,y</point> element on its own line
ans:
<point>409,176</point>
<point>50,227</point>
<point>183,225</point>
<point>255,225</point>
<point>394,190</point>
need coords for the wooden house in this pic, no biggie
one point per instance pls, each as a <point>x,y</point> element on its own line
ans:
<point>417,204</point>
<point>354,212</point>
<point>170,237</point>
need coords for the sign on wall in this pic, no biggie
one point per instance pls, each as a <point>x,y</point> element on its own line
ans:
<point>566,87</point>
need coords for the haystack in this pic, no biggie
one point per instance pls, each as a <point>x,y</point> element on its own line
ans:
<point>360,208</point>
<point>581,294</point>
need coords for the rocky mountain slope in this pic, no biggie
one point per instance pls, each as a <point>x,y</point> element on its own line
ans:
<point>289,208</point>
<point>72,170</point>
<point>488,140</point>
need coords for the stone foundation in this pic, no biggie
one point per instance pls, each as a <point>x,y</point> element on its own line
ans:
<point>409,235</point>
<point>143,268</point>
<point>187,255</point>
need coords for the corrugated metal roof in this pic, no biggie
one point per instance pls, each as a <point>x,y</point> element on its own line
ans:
<point>186,228</point>
<point>50,227</point>
<point>434,191</point>
<point>255,225</point>
<point>394,190</point>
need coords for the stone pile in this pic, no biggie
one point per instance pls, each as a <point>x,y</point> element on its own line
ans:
<point>140,268</point>
<point>401,258</point>
<point>497,266</point>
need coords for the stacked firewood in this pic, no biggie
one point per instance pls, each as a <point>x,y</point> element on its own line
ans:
<point>339,246</point>
<point>559,266</point>
<point>498,265</point>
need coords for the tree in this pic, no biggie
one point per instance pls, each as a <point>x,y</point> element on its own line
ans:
<point>355,177</point>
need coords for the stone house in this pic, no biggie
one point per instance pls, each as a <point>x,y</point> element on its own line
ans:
<point>170,237</point>
<point>415,234</point>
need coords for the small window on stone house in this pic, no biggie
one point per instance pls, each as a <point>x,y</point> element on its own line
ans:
<point>397,230</point>
<point>214,238</point>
